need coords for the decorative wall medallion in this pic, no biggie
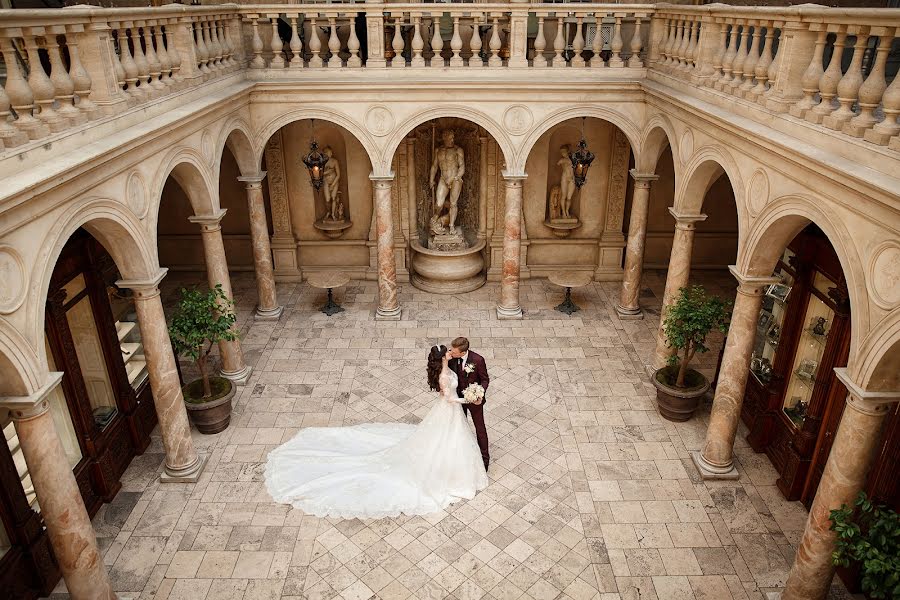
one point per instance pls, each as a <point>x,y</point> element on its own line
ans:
<point>884,273</point>
<point>517,119</point>
<point>12,276</point>
<point>379,120</point>
<point>206,146</point>
<point>687,146</point>
<point>758,191</point>
<point>136,194</point>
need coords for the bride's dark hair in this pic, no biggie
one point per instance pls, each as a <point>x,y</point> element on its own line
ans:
<point>435,364</point>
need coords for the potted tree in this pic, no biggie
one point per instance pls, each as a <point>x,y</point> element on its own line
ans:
<point>688,321</point>
<point>202,319</point>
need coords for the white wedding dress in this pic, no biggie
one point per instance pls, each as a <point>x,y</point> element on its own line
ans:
<point>380,470</point>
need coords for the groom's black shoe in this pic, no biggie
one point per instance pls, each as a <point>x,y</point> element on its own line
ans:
<point>486,467</point>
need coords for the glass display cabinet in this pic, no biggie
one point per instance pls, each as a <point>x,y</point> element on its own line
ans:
<point>802,334</point>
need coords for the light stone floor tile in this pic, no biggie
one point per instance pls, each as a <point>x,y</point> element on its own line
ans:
<point>592,494</point>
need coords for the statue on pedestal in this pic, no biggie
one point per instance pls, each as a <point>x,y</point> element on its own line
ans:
<point>332,176</point>
<point>449,160</point>
<point>561,220</point>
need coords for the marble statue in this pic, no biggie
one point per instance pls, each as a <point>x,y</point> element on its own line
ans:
<point>332,176</point>
<point>450,161</point>
<point>566,184</point>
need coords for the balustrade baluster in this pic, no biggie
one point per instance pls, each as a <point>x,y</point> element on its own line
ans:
<point>334,45</point>
<point>829,81</point>
<point>811,77</point>
<point>475,43</point>
<point>694,47</point>
<point>578,44</point>
<point>215,51</point>
<point>128,64</point>
<point>495,44</point>
<point>353,46</point>
<point>774,66</point>
<point>728,61</point>
<point>152,60</point>
<point>418,43</point>
<point>295,44</point>
<point>761,72</point>
<point>40,83</point>
<point>276,45</point>
<point>689,49</point>
<point>456,45</point>
<point>871,91</point>
<point>750,61</point>
<point>201,49</point>
<point>117,63</point>
<point>540,44</point>
<point>256,45</point>
<point>616,44</point>
<point>737,67</point>
<point>162,54</point>
<point>437,42</point>
<point>397,43</point>
<point>848,87</point>
<point>676,46</point>
<point>218,42</point>
<point>178,32</point>
<point>81,80</point>
<point>634,61</point>
<point>140,59</point>
<point>883,131</point>
<point>63,86</point>
<point>20,94</point>
<point>597,61</point>
<point>719,57</point>
<point>315,45</point>
<point>669,44</point>
<point>559,43</point>
<point>225,42</point>
<point>10,136</point>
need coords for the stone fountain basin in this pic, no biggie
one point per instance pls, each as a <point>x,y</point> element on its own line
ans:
<point>451,272</point>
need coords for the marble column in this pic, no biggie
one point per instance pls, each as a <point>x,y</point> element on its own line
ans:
<point>629,306</point>
<point>512,244</point>
<point>715,461</point>
<point>268,308</point>
<point>677,276</point>
<point>388,303</point>
<point>62,508</point>
<point>183,464</point>
<point>856,444</point>
<point>232,357</point>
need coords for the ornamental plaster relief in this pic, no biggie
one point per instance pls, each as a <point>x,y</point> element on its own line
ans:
<point>757,192</point>
<point>884,275</point>
<point>15,282</point>
<point>136,194</point>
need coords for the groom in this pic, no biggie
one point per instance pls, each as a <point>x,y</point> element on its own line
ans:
<point>470,368</point>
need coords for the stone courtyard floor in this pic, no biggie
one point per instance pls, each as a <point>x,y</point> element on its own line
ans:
<point>592,494</point>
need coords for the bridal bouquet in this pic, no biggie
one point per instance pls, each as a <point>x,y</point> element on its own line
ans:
<point>473,394</point>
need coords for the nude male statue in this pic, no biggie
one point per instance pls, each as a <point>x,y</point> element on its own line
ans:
<point>451,162</point>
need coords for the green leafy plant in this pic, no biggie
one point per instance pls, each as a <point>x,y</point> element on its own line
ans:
<point>202,319</point>
<point>869,535</point>
<point>691,318</point>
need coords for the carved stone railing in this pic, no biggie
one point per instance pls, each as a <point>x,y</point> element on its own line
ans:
<point>67,67</point>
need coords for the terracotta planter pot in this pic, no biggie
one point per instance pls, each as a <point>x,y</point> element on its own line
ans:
<point>212,415</point>
<point>674,403</point>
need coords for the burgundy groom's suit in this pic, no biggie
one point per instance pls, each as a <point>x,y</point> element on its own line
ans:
<point>480,376</point>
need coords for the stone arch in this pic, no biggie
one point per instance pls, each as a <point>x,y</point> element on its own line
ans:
<point>120,233</point>
<point>777,225</point>
<point>236,136</point>
<point>620,120</point>
<point>18,363</point>
<point>460,112</point>
<point>336,118</point>
<point>657,136</point>
<point>880,370</point>
<point>187,167</point>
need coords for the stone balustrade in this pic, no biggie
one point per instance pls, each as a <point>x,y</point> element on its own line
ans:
<point>825,66</point>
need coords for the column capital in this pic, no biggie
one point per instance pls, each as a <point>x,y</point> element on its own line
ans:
<point>23,408</point>
<point>642,177</point>
<point>252,179</point>
<point>513,178</point>
<point>210,222</point>
<point>388,177</point>
<point>145,288</point>
<point>686,219</point>
<point>751,284</point>
<point>866,401</point>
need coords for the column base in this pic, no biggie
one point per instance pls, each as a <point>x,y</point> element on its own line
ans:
<point>238,377</point>
<point>391,314</point>
<point>507,314</point>
<point>708,471</point>
<point>186,475</point>
<point>629,313</point>
<point>269,314</point>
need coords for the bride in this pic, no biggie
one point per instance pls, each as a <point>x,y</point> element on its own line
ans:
<point>379,470</point>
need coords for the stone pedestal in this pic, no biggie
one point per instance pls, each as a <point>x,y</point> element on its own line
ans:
<point>182,462</point>
<point>268,308</point>
<point>68,525</point>
<point>233,366</point>
<point>628,306</point>
<point>677,276</point>
<point>512,235</point>
<point>856,442</point>
<point>715,461</point>
<point>388,303</point>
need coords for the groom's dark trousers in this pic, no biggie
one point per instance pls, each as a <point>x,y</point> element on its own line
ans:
<point>479,376</point>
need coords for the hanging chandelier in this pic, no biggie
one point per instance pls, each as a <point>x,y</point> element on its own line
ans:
<point>315,161</point>
<point>581,159</point>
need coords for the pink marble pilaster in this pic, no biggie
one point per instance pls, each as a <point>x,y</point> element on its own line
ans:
<point>715,461</point>
<point>183,464</point>
<point>856,443</point>
<point>233,366</point>
<point>267,308</point>
<point>65,516</point>
<point>509,307</point>
<point>388,303</point>
<point>677,276</point>
<point>629,306</point>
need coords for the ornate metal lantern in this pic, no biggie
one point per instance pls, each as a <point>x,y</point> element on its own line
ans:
<point>581,159</point>
<point>315,162</point>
